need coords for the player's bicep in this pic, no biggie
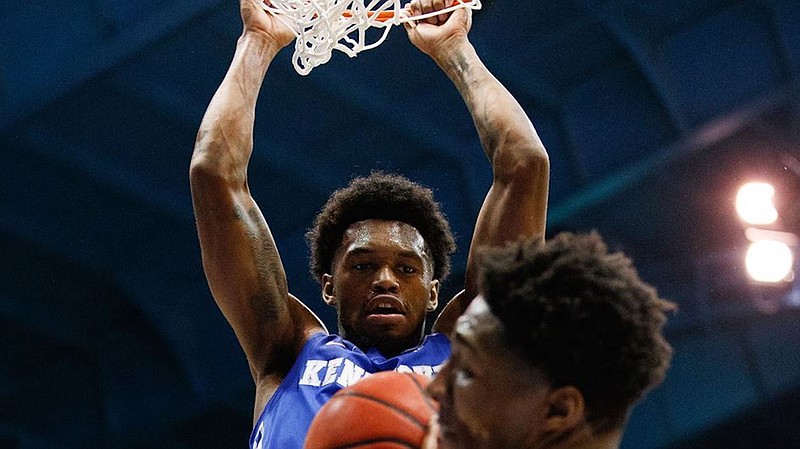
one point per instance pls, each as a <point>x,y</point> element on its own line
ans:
<point>511,211</point>
<point>244,272</point>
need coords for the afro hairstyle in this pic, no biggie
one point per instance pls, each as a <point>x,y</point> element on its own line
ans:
<point>380,196</point>
<point>582,316</point>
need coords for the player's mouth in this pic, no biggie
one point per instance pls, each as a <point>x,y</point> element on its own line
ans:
<point>385,305</point>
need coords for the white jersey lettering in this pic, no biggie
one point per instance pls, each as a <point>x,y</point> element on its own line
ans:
<point>351,373</point>
<point>330,373</point>
<point>345,372</point>
<point>311,373</point>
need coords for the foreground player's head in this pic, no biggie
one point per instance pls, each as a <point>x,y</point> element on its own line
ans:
<point>564,339</point>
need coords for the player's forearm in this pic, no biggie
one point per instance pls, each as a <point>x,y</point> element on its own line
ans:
<point>506,133</point>
<point>516,204</point>
<point>225,138</point>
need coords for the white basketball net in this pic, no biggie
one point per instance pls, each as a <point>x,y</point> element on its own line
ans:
<point>322,26</point>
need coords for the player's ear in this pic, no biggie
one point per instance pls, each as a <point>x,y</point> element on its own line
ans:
<point>327,290</point>
<point>566,409</point>
<point>433,302</point>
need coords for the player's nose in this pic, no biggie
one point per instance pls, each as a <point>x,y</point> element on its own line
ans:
<point>437,388</point>
<point>385,280</point>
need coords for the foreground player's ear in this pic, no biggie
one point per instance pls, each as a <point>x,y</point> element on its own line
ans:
<point>327,290</point>
<point>566,409</point>
<point>433,302</point>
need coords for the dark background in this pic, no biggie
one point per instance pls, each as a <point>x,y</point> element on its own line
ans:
<point>653,112</point>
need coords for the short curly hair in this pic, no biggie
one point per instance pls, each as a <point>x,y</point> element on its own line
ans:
<point>583,317</point>
<point>381,196</point>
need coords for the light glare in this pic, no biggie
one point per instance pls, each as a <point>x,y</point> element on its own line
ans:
<point>754,203</point>
<point>769,261</point>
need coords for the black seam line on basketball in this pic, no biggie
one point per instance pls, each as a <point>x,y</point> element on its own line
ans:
<point>363,443</point>
<point>428,399</point>
<point>392,406</point>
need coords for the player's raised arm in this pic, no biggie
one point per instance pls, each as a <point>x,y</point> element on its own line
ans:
<point>240,258</point>
<point>516,204</point>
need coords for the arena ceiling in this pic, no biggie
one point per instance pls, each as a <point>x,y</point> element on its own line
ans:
<point>653,112</point>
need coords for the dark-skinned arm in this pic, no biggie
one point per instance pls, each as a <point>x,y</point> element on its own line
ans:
<point>240,259</point>
<point>516,205</point>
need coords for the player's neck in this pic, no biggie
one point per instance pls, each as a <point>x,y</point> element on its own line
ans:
<point>388,348</point>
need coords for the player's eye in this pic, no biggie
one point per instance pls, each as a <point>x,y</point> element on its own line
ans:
<point>408,270</point>
<point>463,374</point>
<point>361,266</point>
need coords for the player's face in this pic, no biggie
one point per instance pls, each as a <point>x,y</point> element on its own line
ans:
<point>488,397</point>
<point>382,285</point>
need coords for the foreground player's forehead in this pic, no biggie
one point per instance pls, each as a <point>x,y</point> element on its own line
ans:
<point>477,329</point>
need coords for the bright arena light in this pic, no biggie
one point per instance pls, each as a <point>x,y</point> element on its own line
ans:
<point>754,203</point>
<point>769,261</point>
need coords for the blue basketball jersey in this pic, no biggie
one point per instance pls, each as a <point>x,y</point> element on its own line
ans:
<point>327,364</point>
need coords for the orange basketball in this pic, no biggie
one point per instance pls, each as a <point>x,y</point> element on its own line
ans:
<point>387,410</point>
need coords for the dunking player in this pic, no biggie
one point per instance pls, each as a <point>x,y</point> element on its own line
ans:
<point>380,247</point>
